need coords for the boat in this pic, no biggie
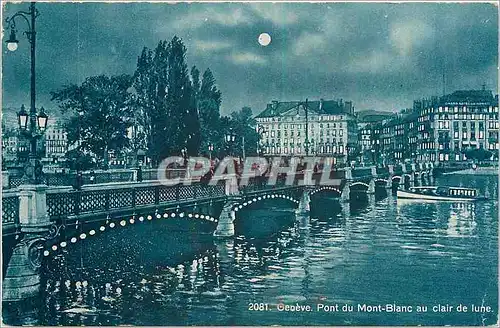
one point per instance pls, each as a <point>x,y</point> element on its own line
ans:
<point>456,194</point>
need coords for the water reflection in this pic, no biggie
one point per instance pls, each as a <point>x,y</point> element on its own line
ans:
<point>462,220</point>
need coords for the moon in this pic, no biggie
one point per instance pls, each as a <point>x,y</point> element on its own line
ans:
<point>264,39</point>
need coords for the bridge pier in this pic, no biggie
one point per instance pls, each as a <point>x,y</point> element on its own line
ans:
<point>225,224</point>
<point>371,185</point>
<point>303,210</point>
<point>304,204</point>
<point>412,178</point>
<point>22,277</point>
<point>346,191</point>
<point>389,179</point>
<point>430,166</point>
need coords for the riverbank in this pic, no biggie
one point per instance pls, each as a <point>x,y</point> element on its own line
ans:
<point>477,171</point>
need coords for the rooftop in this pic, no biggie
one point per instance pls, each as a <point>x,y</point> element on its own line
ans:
<point>469,96</point>
<point>328,107</point>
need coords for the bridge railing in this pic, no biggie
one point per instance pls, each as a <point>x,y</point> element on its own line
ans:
<point>10,210</point>
<point>262,182</point>
<point>100,177</point>
<point>382,170</point>
<point>361,172</point>
<point>64,203</point>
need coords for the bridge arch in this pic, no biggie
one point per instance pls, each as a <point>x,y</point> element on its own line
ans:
<point>396,177</point>
<point>257,199</point>
<point>110,224</point>
<point>325,188</point>
<point>359,183</point>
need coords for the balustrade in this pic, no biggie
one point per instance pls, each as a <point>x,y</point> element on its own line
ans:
<point>65,201</point>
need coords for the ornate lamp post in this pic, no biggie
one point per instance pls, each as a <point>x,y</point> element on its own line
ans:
<point>37,123</point>
<point>23,280</point>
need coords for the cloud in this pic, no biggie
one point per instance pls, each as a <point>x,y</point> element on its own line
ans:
<point>276,13</point>
<point>247,58</point>
<point>378,61</point>
<point>378,55</point>
<point>196,18</point>
<point>408,35</point>
<point>211,46</point>
<point>308,43</point>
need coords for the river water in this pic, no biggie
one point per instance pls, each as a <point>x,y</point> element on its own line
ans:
<point>351,260</point>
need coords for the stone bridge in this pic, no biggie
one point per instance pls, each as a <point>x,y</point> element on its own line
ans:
<point>38,221</point>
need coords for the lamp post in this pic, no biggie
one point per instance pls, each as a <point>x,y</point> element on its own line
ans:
<point>306,143</point>
<point>37,123</point>
<point>210,150</point>
<point>230,138</point>
<point>184,155</point>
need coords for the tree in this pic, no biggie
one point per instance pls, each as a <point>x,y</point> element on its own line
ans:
<point>243,125</point>
<point>165,101</point>
<point>78,160</point>
<point>105,112</point>
<point>208,101</point>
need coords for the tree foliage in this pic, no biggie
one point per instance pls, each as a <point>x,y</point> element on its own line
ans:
<point>208,101</point>
<point>243,125</point>
<point>165,101</point>
<point>99,113</point>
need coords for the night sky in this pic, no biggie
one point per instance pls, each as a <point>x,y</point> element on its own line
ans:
<point>380,56</point>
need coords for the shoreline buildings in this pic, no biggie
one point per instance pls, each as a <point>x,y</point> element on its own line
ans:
<point>308,128</point>
<point>440,130</point>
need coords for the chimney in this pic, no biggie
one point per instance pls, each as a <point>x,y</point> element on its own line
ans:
<point>321,104</point>
<point>275,104</point>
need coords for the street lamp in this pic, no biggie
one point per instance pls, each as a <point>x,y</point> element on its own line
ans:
<point>230,137</point>
<point>12,41</point>
<point>33,169</point>
<point>210,150</point>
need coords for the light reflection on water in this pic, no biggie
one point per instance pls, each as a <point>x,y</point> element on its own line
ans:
<point>374,253</point>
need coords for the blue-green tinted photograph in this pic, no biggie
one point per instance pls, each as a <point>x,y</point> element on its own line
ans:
<point>249,164</point>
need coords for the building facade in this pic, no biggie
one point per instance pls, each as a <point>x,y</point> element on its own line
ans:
<point>440,130</point>
<point>311,128</point>
<point>457,123</point>
<point>369,142</point>
<point>55,145</point>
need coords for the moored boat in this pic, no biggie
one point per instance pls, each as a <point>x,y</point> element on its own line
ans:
<point>457,194</point>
